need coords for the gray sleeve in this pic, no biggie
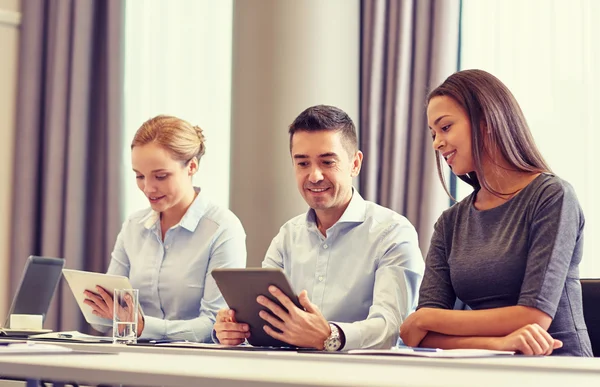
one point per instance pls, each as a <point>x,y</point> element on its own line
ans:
<point>555,229</point>
<point>436,290</point>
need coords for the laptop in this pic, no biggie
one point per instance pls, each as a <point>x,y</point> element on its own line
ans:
<point>39,281</point>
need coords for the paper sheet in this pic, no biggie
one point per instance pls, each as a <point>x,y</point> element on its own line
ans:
<point>432,352</point>
<point>28,347</point>
<point>72,336</point>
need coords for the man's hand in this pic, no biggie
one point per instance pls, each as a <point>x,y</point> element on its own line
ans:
<point>531,339</point>
<point>228,330</point>
<point>411,331</point>
<point>302,328</point>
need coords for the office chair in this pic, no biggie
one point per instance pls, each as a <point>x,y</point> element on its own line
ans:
<point>590,289</point>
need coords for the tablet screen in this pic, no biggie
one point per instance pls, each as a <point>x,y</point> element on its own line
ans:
<point>241,287</point>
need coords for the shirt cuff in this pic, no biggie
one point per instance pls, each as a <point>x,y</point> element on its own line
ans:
<point>214,337</point>
<point>154,328</point>
<point>102,328</point>
<point>352,335</point>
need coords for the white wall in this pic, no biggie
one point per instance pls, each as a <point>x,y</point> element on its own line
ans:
<point>548,54</point>
<point>9,39</point>
<point>183,69</point>
<point>287,56</point>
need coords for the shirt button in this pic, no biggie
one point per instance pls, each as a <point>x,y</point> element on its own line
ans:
<point>325,246</point>
<point>167,247</point>
<point>320,278</point>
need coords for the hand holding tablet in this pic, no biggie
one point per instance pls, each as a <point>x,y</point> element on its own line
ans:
<point>241,288</point>
<point>81,282</point>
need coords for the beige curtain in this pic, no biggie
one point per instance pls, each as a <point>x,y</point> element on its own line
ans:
<point>66,183</point>
<point>407,48</point>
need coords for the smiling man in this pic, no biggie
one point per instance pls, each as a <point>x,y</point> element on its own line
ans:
<point>359,263</point>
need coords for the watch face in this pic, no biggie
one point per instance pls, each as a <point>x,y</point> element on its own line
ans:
<point>333,344</point>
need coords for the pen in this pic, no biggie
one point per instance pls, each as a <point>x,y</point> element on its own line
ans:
<point>162,341</point>
<point>417,349</point>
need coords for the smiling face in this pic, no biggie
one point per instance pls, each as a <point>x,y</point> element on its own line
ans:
<point>324,169</point>
<point>450,129</point>
<point>166,182</point>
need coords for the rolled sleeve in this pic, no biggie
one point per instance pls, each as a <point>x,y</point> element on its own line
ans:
<point>397,280</point>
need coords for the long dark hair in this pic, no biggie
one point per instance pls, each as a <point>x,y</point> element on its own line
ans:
<point>497,122</point>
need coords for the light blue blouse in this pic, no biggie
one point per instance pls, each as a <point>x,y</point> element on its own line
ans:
<point>178,295</point>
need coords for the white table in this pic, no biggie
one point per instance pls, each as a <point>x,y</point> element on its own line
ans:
<point>184,367</point>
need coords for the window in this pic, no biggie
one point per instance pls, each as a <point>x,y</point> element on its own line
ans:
<point>178,62</point>
<point>548,53</point>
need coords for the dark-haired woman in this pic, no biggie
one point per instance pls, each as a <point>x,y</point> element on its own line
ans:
<point>511,250</point>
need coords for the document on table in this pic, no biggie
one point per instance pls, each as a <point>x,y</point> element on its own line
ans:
<point>188,344</point>
<point>31,348</point>
<point>72,336</point>
<point>431,352</point>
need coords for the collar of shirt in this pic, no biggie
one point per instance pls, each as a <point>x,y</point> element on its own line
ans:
<point>190,219</point>
<point>356,212</point>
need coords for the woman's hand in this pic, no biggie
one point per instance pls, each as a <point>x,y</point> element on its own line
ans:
<point>101,302</point>
<point>411,330</point>
<point>531,339</point>
<point>102,306</point>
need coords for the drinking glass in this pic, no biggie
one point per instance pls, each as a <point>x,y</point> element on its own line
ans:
<point>125,316</point>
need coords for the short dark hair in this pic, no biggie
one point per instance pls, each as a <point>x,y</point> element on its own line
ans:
<point>489,104</point>
<point>324,117</point>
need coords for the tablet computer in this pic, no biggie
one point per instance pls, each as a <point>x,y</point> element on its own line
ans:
<point>38,283</point>
<point>241,287</point>
<point>80,281</point>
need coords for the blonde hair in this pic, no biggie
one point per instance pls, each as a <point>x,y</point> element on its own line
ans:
<point>177,136</point>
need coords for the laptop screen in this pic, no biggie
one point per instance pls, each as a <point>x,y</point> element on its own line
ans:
<point>36,289</point>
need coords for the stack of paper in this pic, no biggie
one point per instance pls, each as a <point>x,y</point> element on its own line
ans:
<point>28,347</point>
<point>72,336</point>
<point>188,344</point>
<point>21,332</point>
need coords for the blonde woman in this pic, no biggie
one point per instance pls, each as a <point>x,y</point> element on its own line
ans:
<point>169,250</point>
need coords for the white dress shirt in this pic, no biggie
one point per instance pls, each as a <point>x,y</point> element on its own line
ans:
<point>364,275</point>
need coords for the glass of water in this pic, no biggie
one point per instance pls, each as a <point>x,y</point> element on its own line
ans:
<point>125,316</point>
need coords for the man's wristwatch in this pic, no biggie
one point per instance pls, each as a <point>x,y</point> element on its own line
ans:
<point>334,341</point>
